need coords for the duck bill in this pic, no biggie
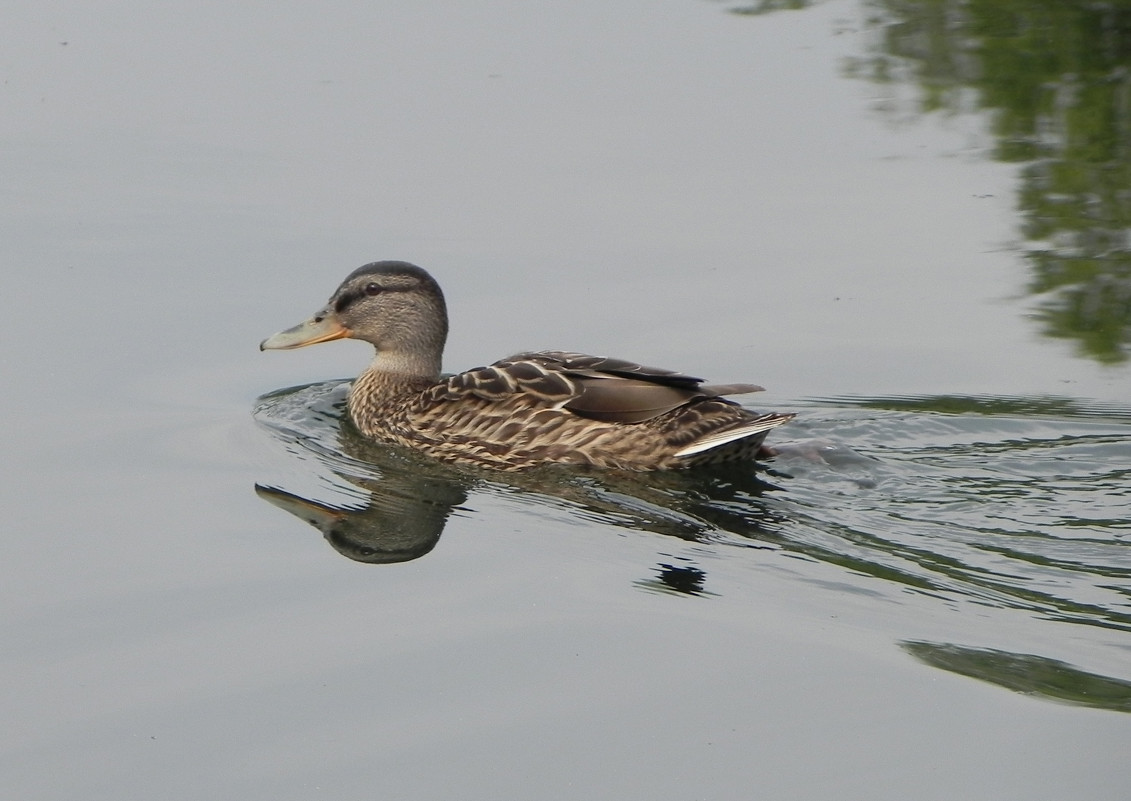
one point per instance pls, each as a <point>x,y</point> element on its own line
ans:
<point>319,515</point>
<point>320,328</point>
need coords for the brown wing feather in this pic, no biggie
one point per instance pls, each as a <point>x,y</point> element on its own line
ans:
<point>595,387</point>
<point>582,364</point>
<point>503,379</point>
<point>535,408</point>
<point>627,400</point>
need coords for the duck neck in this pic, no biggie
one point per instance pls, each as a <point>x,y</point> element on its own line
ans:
<point>411,368</point>
<point>389,377</point>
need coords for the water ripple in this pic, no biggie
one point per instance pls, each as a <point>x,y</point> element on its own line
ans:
<point>1020,503</point>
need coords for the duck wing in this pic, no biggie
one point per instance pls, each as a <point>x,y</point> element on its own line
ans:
<point>595,387</point>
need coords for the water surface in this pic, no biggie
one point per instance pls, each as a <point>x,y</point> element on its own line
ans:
<point>905,220</point>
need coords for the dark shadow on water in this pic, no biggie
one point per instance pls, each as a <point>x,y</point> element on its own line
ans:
<point>755,8</point>
<point>676,580</point>
<point>1027,406</point>
<point>1029,674</point>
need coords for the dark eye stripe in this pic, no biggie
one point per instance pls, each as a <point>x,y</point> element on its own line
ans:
<point>346,300</point>
<point>349,298</point>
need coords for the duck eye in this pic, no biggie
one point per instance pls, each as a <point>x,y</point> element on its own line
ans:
<point>372,289</point>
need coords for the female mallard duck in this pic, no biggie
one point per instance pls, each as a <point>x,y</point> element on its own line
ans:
<point>531,409</point>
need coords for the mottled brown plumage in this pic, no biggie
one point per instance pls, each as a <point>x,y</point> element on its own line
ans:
<point>527,410</point>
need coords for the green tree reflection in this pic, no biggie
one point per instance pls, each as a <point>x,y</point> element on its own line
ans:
<point>1056,75</point>
<point>1029,674</point>
<point>756,7</point>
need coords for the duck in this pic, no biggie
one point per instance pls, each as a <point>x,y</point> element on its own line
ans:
<point>524,411</point>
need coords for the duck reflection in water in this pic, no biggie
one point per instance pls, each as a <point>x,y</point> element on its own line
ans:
<point>407,498</point>
<point>403,521</point>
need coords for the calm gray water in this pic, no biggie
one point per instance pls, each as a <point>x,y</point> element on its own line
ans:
<point>907,221</point>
